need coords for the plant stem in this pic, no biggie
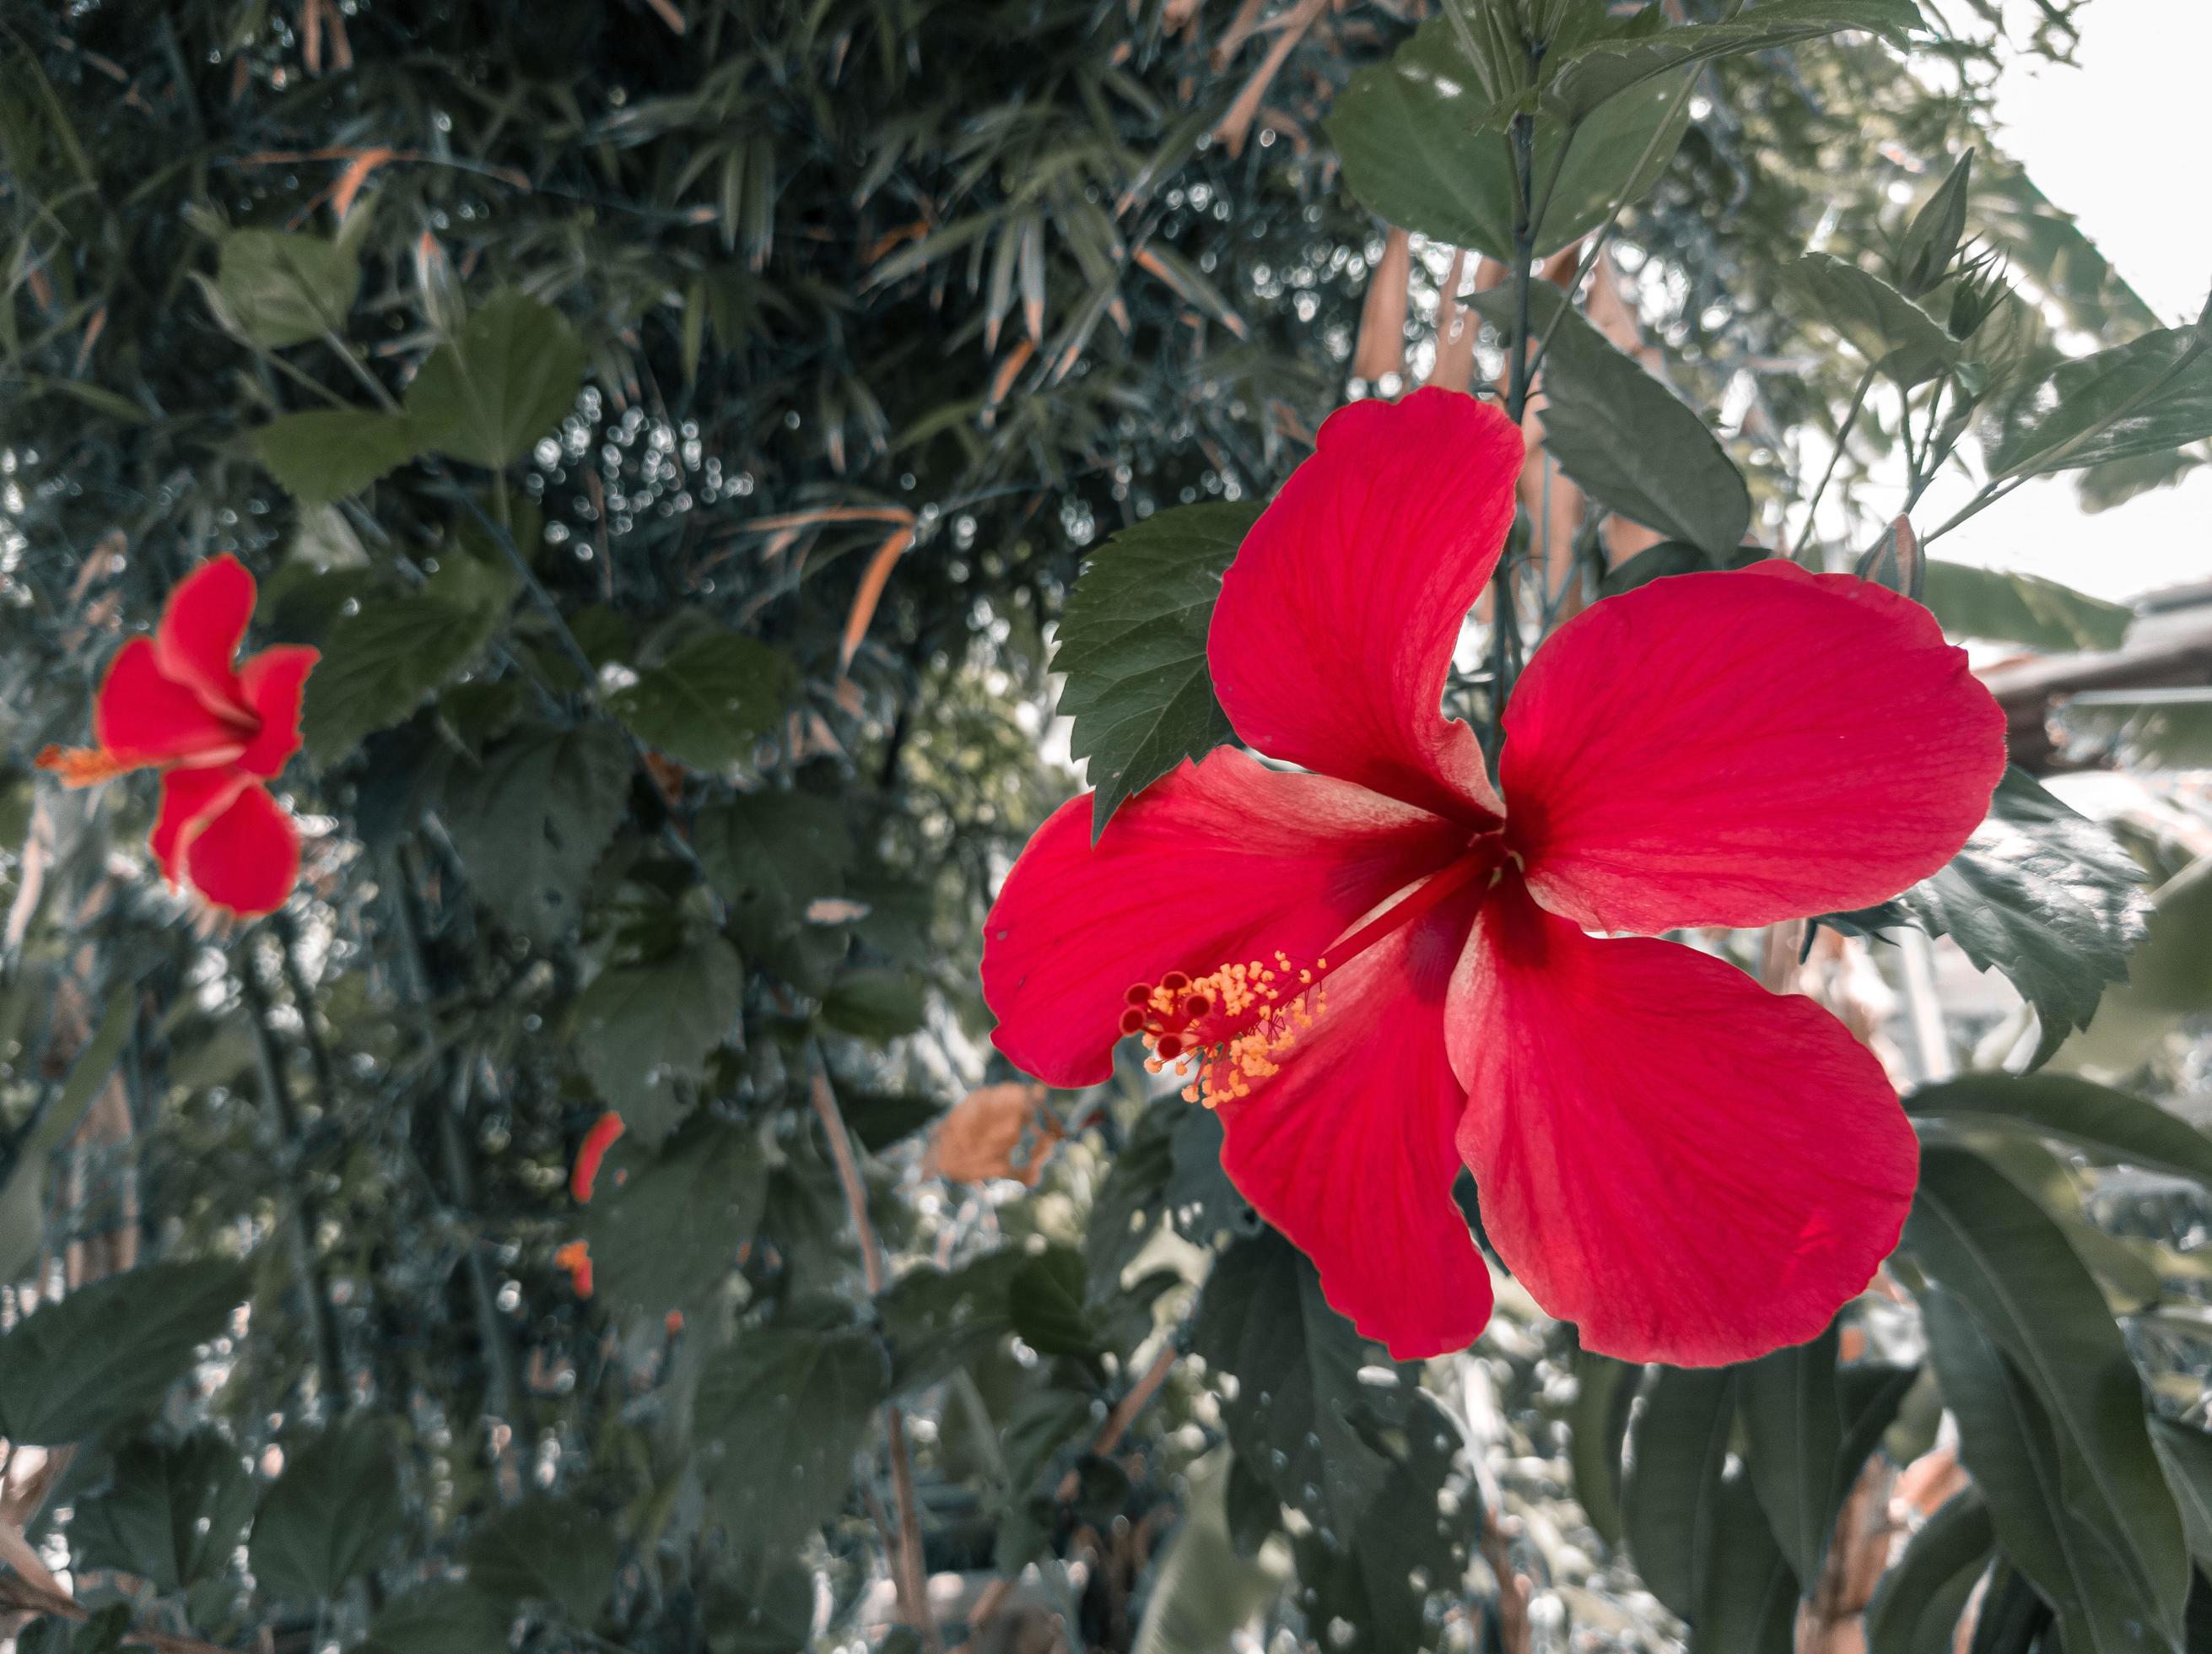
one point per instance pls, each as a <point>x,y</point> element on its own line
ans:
<point>907,1571</point>
<point>303,1222</point>
<point>1504,620</point>
<point>1835,457</point>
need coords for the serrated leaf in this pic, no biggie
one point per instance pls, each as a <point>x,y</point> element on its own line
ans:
<point>1884,326</point>
<point>2043,894</point>
<point>1045,1299</point>
<point>2108,1125</point>
<point>1592,75</point>
<point>781,1413</point>
<point>440,1618</point>
<point>710,702</point>
<point>331,1513</point>
<point>939,1321</point>
<point>530,821</point>
<point>1994,602</point>
<point>107,1352</point>
<point>1415,151</point>
<point>545,1549</point>
<point>1670,1509</point>
<point>2149,396</point>
<point>327,454</point>
<point>1132,647</point>
<point>2009,1443</point>
<point>279,289</point>
<point>771,854</point>
<point>641,1028</point>
<point>665,1231</point>
<point>507,381</point>
<point>1993,1248</point>
<point>1917,1606</point>
<point>170,1514</point>
<point>1632,444</point>
<point>382,660</point>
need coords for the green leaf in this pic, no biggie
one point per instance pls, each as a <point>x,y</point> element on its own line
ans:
<point>1601,70</point>
<point>507,381</point>
<point>2107,1125</point>
<point>1296,1364</point>
<point>1931,240</point>
<point>440,1618</point>
<point>326,455</point>
<point>1204,1591</point>
<point>1670,1511</point>
<point>170,1514</point>
<point>873,1003</point>
<point>2026,1473</point>
<point>1132,645</point>
<point>332,1514</point>
<point>640,1027</point>
<point>381,661</point>
<point>1989,1244</point>
<point>772,1614</point>
<point>1660,561</point>
<point>781,1415</point>
<point>664,1232</point>
<point>108,1351</point>
<point>1884,326</point>
<point>1992,602</point>
<point>2147,396</point>
<point>2147,729</point>
<point>2186,1453</point>
<point>938,1322</point>
<point>1636,447</point>
<point>1414,151</point>
<point>710,702</point>
<point>547,1550</point>
<point>1917,1608</point>
<point>1130,1205</point>
<point>1045,1301</point>
<point>2045,895</point>
<point>1596,1425</point>
<point>1795,1432</point>
<point>530,821</point>
<point>279,289</point>
<point>770,854</point>
<point>1749,1603</point>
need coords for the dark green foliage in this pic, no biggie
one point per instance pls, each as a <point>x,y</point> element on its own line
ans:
<point>332,1512</point>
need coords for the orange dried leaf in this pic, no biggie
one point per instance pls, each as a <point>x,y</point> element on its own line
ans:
<point>995,1131</point>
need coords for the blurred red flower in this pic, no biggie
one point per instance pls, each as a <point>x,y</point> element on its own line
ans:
<point>1376,972</point>
<point>175,703</point>
<point>597,1141</point>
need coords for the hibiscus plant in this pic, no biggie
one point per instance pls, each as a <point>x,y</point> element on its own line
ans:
<point>1058,825</point>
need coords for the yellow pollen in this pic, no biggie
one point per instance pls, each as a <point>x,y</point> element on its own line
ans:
<point>1230,1027</point>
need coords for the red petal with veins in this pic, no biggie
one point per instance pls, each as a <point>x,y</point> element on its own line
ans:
<point>246,858</point>
<point>141,717</point>
<point>1348,1150</point>
<point>1692,1169</point>
<point>189,800</point>
<point>272,683</point>
<point>201,626</point>
<point>1736,749</point>
<point>1216,861</point>
<point>1337,620</point>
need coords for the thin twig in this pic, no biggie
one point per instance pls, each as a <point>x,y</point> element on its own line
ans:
<point>1836,455</point>
<point>909,1574</point>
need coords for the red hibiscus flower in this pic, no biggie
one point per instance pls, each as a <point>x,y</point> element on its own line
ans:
<point>1376,970</point>
<point>174,702</point>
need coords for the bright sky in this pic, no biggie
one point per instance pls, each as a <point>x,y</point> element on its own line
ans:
<point>2118,143</point>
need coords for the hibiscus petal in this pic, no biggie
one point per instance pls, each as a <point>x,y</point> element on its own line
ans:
<point>1337,620</point>
<point>1692,1168</point>
<point>141,717</point>
<point>246,858</point>
<point>272,683</point>
<point>1735,749</point>
<point>1348,1149</point>
<point>1215,862</point>
<point>189,800</point>
<point>201,626</point>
